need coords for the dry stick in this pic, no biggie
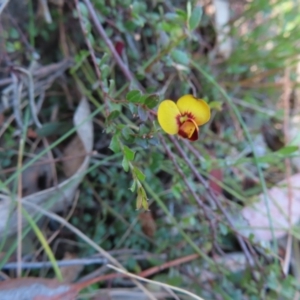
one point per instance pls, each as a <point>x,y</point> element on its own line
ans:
<point>19,211</point>
<point>92,53</point>
<point>110,45</point>
<point>30,95</point>
<point>61,263</point>
<point>286,100</point>
<point>217,201</point>
<point>16,101</point>
<point>208,214</point>
<point>169,264</point>
<point>44,71</point>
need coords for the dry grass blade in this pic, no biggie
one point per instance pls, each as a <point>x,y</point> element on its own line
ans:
<point>157,283</point>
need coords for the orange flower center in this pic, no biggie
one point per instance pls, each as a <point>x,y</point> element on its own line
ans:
<point>188,128</point>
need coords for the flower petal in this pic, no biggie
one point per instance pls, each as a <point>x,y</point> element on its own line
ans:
<point>189,130</point>
<point>168,114</point>
<point>194,108</point>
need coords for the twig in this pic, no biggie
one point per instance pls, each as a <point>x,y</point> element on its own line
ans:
<point>19,210</point>
<point>94,59</point>
<point>169,264</point>
<point>31,95</point>
<point>60,263</point>
<point>110,45</point>
<point>16,101</point>
<point>212,195</point>
<point>45,70</point>
<point>208,214</point>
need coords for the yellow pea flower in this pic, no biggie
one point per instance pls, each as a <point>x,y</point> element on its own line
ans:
<point>183,117</point>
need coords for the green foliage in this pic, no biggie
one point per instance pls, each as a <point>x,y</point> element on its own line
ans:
<point>194,17</point>
<point>169,48</point>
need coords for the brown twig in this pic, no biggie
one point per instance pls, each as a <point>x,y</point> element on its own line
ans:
<point>127,73</point>
<point>19,210</point>
<point>31,95</point>
<point>16,101</point>
<point>44,71</point>
<point>167,265</point>
<point>206,210</point>
<point>94,59</point>
<point>212,195</point>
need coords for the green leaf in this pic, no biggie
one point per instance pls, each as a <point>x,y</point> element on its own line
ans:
<point>142,142</point>
<point>154,141</point>
<point>143,129</point>
<point>105,70</point>
<point>133,108</point>
<point>189,9</point>
<point>143,98</point>
<point>114,144</point>
<point>141,201</point>
<point>133,186</point>
<point>83,9</point>
<point>287,150</point>
<point>134,96</point>
<point>180,57</point>
<point>195,18</point>
<point>127,133</point>
<point>129,154</point>
<point>104,59</point>
<point>125,164</point>
<point>53,128</point>
<point>112,86</point>
<point>113,115</point>
<point>151,101</point>
<point>216,105</point>
<point>138,173</point>
<point>223,229</point>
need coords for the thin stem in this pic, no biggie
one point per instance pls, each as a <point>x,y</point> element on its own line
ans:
<point>212,195</point>
<point>110,45</point>
<point>208,214</point>
<point>19,210</point>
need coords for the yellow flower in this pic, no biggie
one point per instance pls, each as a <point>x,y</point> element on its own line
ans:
<point>183,117</point>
